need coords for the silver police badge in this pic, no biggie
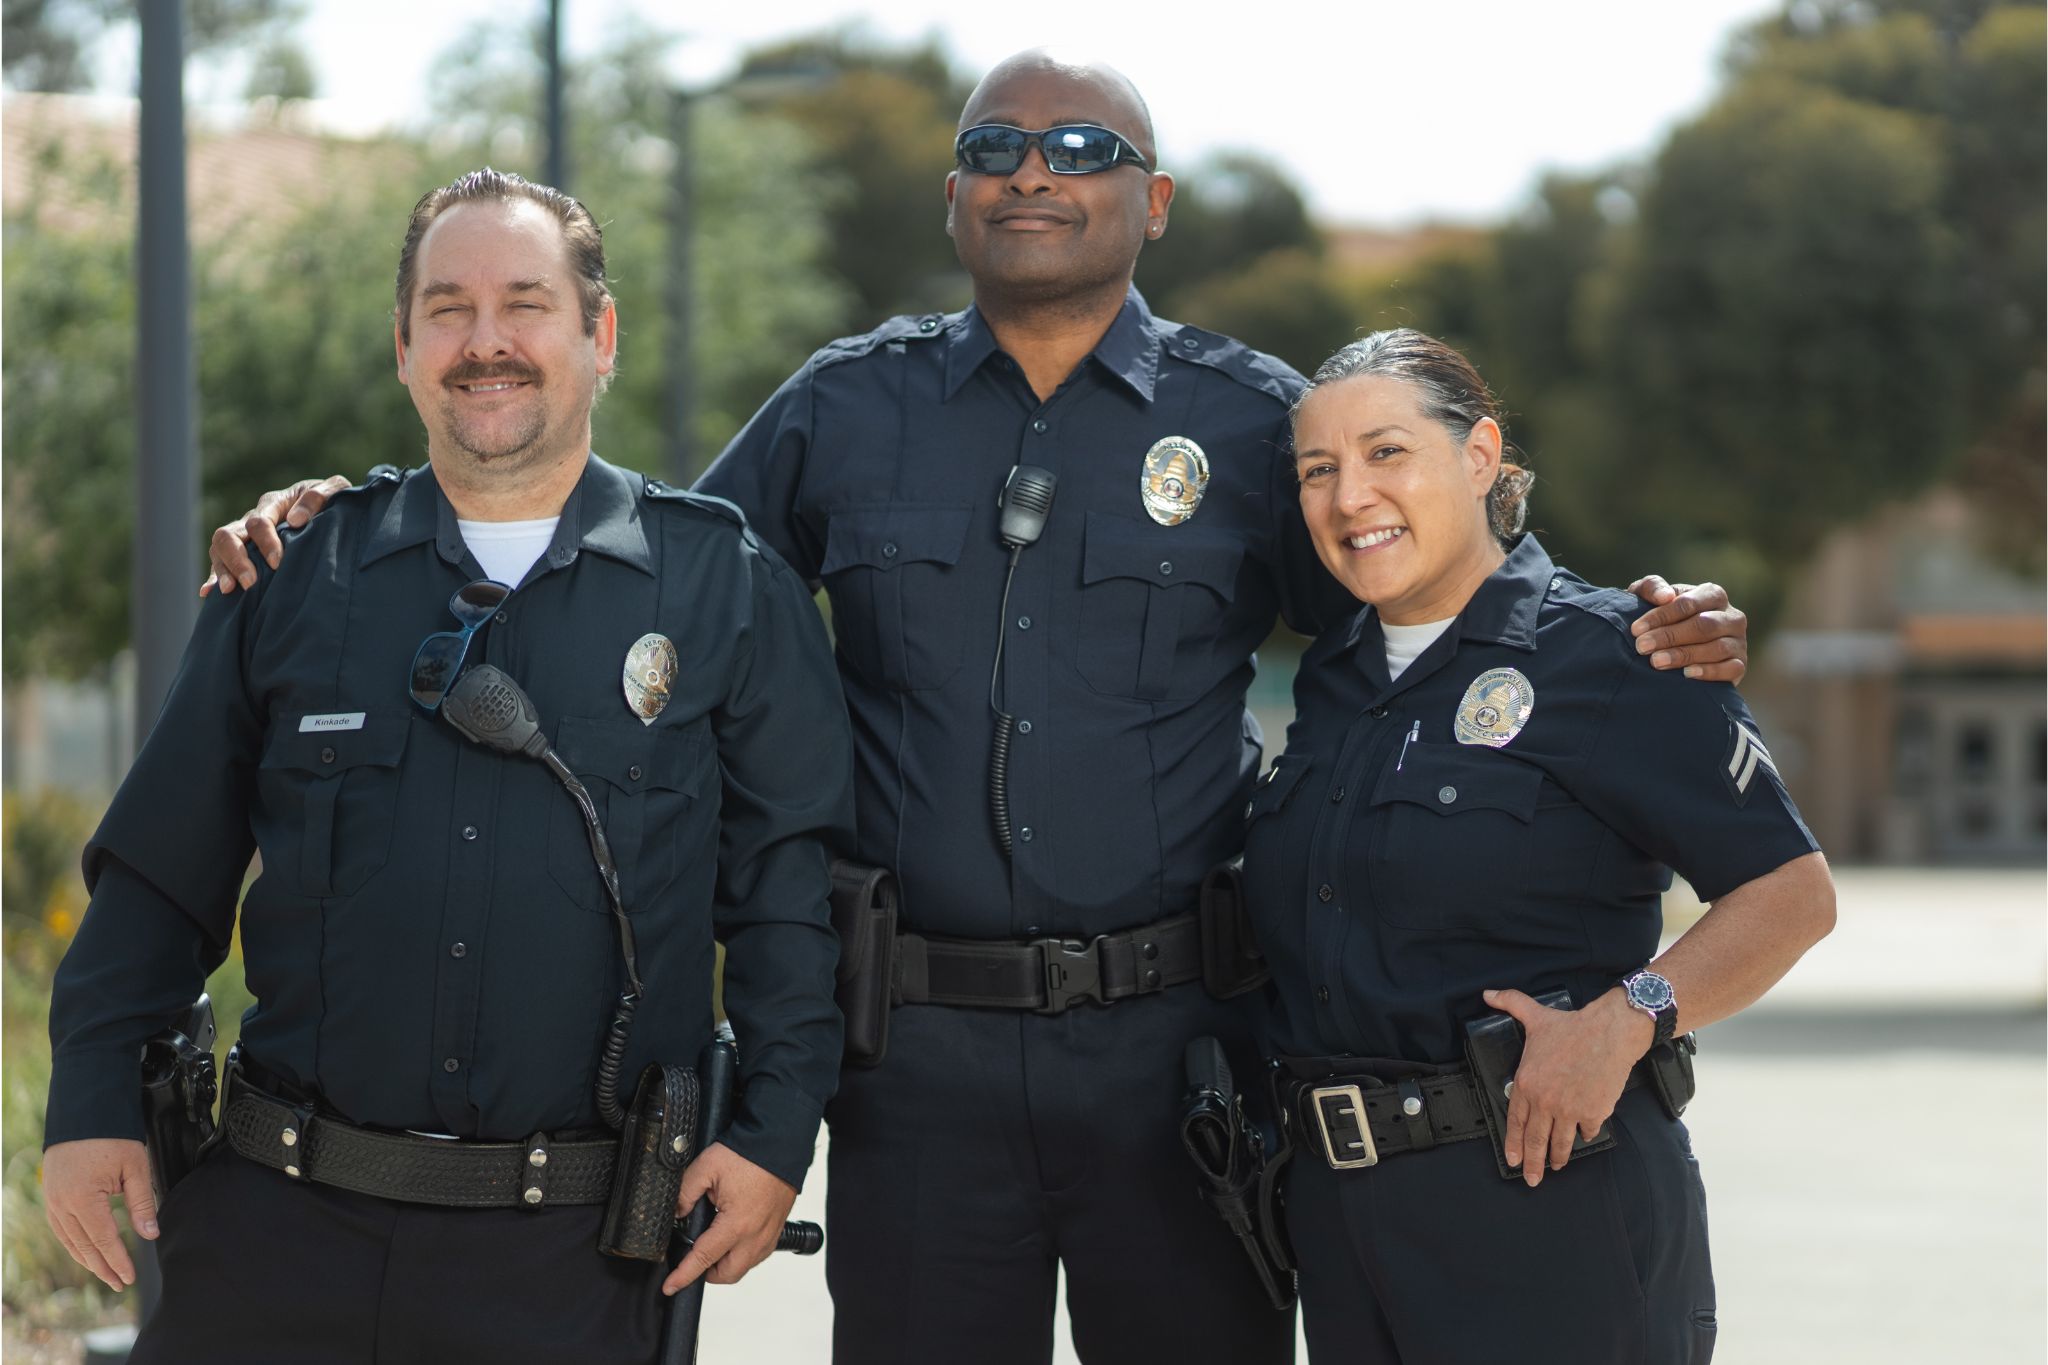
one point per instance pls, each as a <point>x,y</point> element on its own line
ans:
<point>1495,708</point>
<point>650,672</point>
<point>1175,476</point>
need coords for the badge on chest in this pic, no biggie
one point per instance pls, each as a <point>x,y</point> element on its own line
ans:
<point>1175,476</point>
<point>649,675</point>
<point>1495,708</point>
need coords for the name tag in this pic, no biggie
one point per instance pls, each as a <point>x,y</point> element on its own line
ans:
<point>339,720</point>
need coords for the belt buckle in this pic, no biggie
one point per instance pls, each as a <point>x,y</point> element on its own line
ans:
<point>1347,1101</point>
<point>1071,971</point>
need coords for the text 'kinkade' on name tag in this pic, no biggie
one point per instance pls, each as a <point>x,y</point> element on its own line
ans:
<point>339,720</point>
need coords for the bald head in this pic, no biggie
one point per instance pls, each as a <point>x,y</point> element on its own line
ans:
<point>1090,91</point>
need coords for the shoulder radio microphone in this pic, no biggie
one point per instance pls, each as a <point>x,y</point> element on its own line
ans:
<point>1025,503</point>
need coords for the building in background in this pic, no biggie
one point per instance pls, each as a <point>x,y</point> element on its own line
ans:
<point>1906,694</point>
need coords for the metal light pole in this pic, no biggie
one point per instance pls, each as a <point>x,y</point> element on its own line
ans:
<point>682,370</point>
<point>163,607</point>
<point>558,154</point>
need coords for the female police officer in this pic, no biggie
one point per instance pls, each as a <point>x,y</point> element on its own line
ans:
<point>1481,795</point>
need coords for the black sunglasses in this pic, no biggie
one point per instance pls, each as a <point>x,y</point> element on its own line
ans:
<point>1070,149</point>
<point>441,655</point>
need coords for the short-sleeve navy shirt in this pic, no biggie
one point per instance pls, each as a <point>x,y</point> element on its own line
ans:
<point>1395,871</point>
<point>1127,644</point>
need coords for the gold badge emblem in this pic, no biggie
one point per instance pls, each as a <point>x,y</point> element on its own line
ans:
<point>1495,708</point>
<point>1175,476</point>
<point>650,672</point>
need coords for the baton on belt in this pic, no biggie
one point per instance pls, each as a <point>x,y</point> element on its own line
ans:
<point>718,1068</point>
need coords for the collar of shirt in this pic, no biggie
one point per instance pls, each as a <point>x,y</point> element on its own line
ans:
<point>602,515</point>
<point>1129,350</point>
<point>1503,611</point>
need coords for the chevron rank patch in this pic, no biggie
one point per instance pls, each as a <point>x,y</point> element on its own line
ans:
<point>1746,754</point>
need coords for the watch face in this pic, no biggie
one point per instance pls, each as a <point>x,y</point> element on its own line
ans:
<point>1649,991</point>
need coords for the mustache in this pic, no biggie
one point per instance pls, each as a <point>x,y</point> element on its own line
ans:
<point>475,372</point>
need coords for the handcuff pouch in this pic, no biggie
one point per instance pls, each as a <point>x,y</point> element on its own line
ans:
<point>656,1142</point>
<point>864,914</point>
<point>1231,961</point>
<point>1493,1048</point>
<point>1670,1066</point>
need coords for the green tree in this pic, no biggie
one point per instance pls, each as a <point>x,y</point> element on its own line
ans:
<point>1832,297</point>
<point>1229,211</point>
<point>882,123</point>
<point>763,294</point>
<point>1282,303</point>
<point>292,327</point>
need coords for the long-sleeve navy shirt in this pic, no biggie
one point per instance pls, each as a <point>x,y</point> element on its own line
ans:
<point>1396,869</point>
<point>1127,644</point>
<point>428,942</point>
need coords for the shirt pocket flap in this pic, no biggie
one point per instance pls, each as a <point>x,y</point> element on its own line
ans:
<point>1450,779</point>
<point>380,742</point>
<point>884,536</point>
<point>630,756</point>
<point>1271,791</point>
<point>1120,548</point>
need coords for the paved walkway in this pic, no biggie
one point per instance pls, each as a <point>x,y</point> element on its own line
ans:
<point>1871,1135</point>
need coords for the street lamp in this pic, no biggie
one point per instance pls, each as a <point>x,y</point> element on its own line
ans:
<point>758,86</point>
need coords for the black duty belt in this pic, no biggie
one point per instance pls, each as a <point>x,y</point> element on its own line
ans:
<point>1048,975</point>
<point>1352,1119</point>
<point>306,1145</point>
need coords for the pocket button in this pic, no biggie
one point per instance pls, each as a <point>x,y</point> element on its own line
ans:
<point>1447,794</point>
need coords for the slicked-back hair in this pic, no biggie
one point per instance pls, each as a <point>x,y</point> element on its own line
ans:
<point>1453,396</point>
<point>584,237</point>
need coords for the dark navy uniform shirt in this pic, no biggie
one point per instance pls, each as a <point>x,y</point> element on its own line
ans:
<point>1395,873</point>
<point>428,941</point>
<point>1127,644</point>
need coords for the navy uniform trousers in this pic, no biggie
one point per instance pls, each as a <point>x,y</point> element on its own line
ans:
<point>253,1259</point>
<point>1604,1263</point>
<point>992,1144</point>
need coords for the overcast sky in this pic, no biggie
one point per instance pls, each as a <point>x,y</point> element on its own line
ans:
<point>1384,111</point>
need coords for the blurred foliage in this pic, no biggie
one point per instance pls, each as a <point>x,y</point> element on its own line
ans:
<point>1832,297</point>
<point>292,324</point>
<point>763,296</point>
<point>48,44</point>
<point>1823,294</point>
<point>1230,212</point>
<point>41,835</point>
<point>881,120</point>
<point>40,838</point>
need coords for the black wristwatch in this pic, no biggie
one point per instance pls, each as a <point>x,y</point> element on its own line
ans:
<point>1651,994</point>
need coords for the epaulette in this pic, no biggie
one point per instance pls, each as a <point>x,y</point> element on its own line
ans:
<point>1253,369</point>
<point>907,327</point>
<point>380,476</point>
<point>719,507</point>
<point>1617,608</point>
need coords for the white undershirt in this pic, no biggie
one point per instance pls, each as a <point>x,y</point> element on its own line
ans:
<point>507,549</point>
<point>1405,643</point>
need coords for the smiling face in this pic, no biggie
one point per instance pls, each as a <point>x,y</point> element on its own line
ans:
<point>1395,503</point>
<point>498,362</point>
<point>1035,237</point>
